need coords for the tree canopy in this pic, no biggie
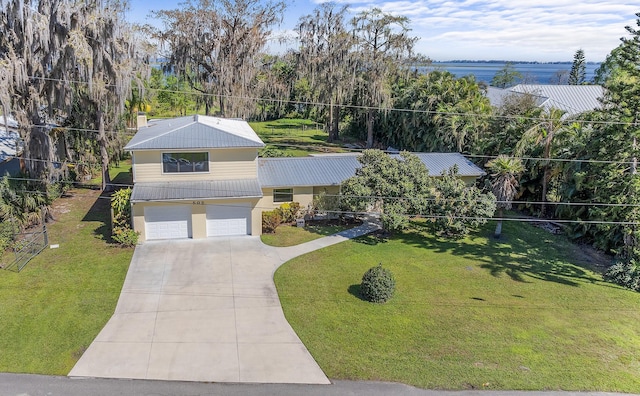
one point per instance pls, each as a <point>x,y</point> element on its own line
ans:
<point>216,47</point>
<point>57,54</point>
<point>400,188</point>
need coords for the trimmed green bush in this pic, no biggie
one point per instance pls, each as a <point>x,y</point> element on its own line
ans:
<point>7,235</point>
<point>270,221</point>
<point>378,284</point>
<point>625,273</point>
<point>288,211</point>
<point>125,236</point>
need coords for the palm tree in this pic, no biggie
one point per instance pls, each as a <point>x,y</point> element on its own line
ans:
<point>549,127</point>
<point>504,172</point>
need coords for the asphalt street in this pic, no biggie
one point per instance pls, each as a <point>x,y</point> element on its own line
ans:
<point>41,385</point>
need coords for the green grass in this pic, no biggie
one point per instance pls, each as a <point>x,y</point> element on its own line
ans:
<point>518,313</point>
<point>297,137</point>
<point>291,235</point>
<point>120,173</point>
<point>53,309</point>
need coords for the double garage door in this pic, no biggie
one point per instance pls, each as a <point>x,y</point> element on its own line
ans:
<point>175,222</point>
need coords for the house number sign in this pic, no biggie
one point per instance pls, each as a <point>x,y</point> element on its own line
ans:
<point>198,202</point>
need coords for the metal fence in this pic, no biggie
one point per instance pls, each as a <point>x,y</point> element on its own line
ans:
<point>27,246</point>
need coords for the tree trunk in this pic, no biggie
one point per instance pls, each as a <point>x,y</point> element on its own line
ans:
<point>334,114</point>
<point>370,128</point>
<point>336,123</point>
<point>498,231</point>
<point>104,154</point>
<point>545,182</point>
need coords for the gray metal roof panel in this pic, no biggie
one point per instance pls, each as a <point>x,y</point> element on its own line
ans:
<point>332,170</point>
<point>185,190</point>
<point>437,163</point>
<point>306,171</point>
<point>573,99</point>
<point>195,132</point>
<point>498,96</point>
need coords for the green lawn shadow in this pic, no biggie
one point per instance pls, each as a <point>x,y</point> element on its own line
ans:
<point>523,253</point>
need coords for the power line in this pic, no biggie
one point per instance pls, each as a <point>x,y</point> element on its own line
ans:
<point>425,216</point>
<point>362,107</point>
<point>373,197</point>
<point>355,150</point>
<point>552,159</point>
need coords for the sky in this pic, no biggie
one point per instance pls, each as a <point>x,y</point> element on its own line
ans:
<point>516,30</point>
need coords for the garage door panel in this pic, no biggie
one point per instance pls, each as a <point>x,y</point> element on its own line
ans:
<point>228,220</point>
<point>167,222</point>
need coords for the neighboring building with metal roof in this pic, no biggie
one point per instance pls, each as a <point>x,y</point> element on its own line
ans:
<point>196,177</point>
<point>572,99</point>
<point>10,146</point>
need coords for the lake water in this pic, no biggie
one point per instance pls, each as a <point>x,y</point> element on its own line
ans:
<point>532,73</point>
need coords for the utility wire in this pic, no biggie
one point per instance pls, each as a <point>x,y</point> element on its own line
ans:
<point>371,197</point>
<point>355,150</point>
<point>360,107</point>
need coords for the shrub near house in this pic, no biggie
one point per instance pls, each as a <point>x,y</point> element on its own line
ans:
<point>121,227</point>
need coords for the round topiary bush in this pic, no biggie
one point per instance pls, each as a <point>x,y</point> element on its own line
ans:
<point>377,284</point>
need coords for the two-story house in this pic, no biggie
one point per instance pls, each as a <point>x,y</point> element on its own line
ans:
<point>200,176</point>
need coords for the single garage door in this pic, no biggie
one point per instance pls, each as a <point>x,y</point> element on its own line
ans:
<point>167,222</point>
<point>228,219</point>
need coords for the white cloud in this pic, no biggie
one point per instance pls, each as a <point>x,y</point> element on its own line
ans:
<point>545,30</point>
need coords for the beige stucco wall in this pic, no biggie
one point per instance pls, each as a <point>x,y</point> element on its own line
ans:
<point>198,215</point>
<point>302,195</point>
<point>224,164</point>
<point>332,190</point>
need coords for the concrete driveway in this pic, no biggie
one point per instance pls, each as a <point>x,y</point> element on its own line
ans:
<point>205,310</point>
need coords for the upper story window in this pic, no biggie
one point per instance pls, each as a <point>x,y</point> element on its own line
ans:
<point>185,162</point>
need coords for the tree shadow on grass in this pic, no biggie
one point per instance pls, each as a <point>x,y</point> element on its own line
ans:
<point>372,239</point>
<point>354,290</point>
<point>100,212</point>
<point>523,252</point>
<point>123,178</point>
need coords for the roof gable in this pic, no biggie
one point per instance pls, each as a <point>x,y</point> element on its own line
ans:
<point>195,132</point>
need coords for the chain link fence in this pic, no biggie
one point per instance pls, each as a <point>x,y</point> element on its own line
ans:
<point>27,245</point>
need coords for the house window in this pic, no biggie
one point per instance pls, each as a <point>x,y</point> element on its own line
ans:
<point>283,195</point>
<point>185,162</point>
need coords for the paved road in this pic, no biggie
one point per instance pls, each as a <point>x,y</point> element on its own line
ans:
<point>40,385</point>
<point>205,310</point>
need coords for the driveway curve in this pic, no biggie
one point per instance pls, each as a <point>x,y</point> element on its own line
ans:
<point>205,310</point>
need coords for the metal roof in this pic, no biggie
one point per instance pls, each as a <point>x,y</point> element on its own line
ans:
<point>573,99</point>
<point>8,121</point>
<point>332,170</point>
<point>9,141</point>
<point>186,190</point>
<point>439,163</point>
<point>306,171</point>
<point>497,96</point>
<point>195,132</point>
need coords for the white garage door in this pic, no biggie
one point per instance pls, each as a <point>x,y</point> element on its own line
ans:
<point>228,219</point>
<point>167,222</point>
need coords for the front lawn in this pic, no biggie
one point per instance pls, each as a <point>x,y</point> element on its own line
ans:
<point>479,313</point>
<point>287,235</point>
<point>52,310</point>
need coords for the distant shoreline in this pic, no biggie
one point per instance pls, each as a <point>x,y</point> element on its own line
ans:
<point>530,72</point>
<point>514,62</point>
